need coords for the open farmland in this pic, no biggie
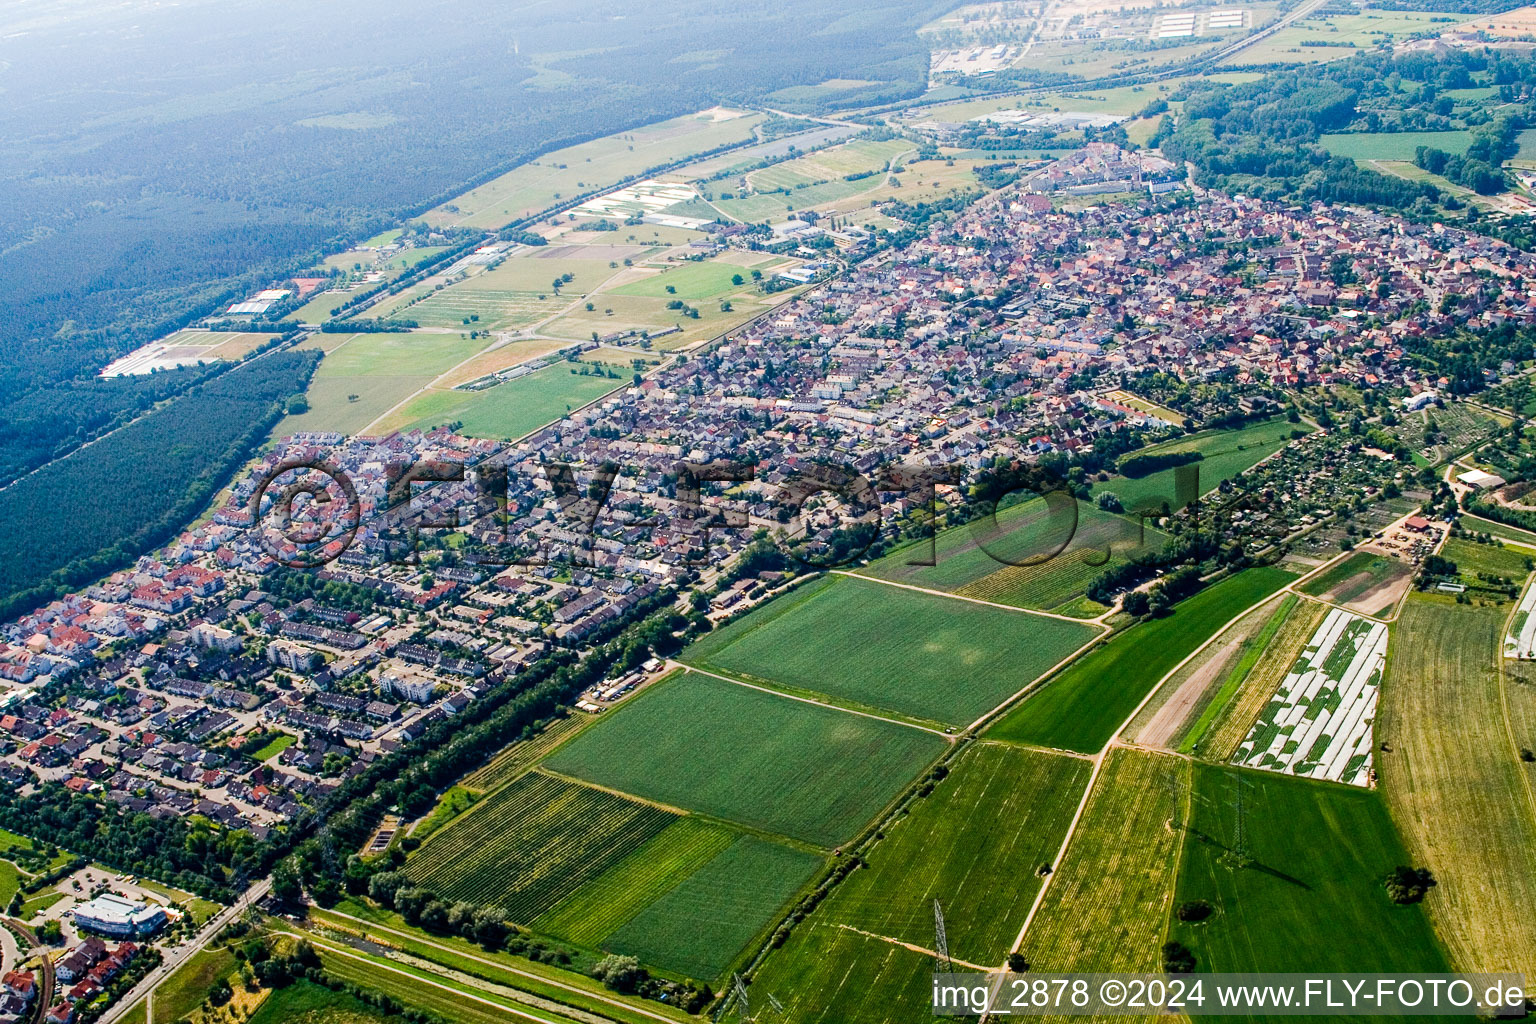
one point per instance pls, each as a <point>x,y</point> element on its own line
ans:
<point>826,974</point>
<point>1224,454</point>
<point>520,755</point>
<point>364,375</point>
<point>878,646</point>
<point>593,912</point>
<point>696,282</point>
<point>507,410</point>
<point>590,166</point>
<point>533,843</point>
<point>1191,697</point>
<point>1318,724</point>
<point>981,559</point>
<point>801,770</point>
<point>1520,639</point>
<point>701,925</point>
<point>1108,899</point>
<point>1453,781</point>
<point>1368,582</point>
<point>1310,897</point>
<point>1081,708</point>
<point>975,844</point>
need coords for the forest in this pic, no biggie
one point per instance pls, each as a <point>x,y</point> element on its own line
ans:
<point>1263,137</point>
<point>88,514</point>
<point>291,129</point>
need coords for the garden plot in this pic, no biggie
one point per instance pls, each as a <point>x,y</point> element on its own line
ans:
<point>1318,724</point>
<point>1521,638</point>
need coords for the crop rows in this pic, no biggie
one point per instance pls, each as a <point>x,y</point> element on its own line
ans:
<point>591,915</point>
<point>1319,722</point>
<point>532,844</point>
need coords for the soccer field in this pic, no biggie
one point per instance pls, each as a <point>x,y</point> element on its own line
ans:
<point>878,646</point>
<point>804,771</point>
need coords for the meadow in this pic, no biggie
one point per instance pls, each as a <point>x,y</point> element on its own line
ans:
<point>1108,898</point>
<point>507,410</point>
<point>1225,454</point>
<point>700,926</point>
<point>1312,889</point>
<point>445,999</point>
<point>305,1002</point>
<point>363,376</point>
<point>878,646</point>
<point>801,770</point>
<point>1453,782</point>
<point>587,167</point>
<point>1081,708</point>
<point>973,559</point>
<point>1330,37</point>
<point>532,844</point>
<point>1366,146</point>
<point>696,282</point>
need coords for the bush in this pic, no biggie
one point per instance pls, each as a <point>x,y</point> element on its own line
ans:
<point>1192,911</point>
<point>1177,959</point>
<point>1407,885</point>
<point>620,973</point>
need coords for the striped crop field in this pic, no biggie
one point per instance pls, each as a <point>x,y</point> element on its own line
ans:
<point>533,844</point>
<point>1318,724</point>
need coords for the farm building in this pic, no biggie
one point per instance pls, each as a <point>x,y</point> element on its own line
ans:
<point>1479,480</point>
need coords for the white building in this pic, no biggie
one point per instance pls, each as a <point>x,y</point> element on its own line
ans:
<point>113,915</point>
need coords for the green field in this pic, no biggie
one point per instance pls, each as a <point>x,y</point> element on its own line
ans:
<point>588,167</point>
<point>1083,706</point>
<point>1475,562</point>
<point>701,925</point>
<point>448,1000</point>
<point>596,910</point>
<point>365,375</point>
<point>305,1002</point>
<point>696,282</point>
<point>1226,454</point>
<point>883,647</point>
<point>975,844</point>
<point>982,559</point>
<point>1452,780</point>
<point>1108,899</point>
<point>510,409</point>
<point>1365,146</point>
<point>798,769</point>
<point>1237,672</point>
<point>532,844</point>
<point>273,747</point>
<point>1311,897</point>
<point>187,989</point>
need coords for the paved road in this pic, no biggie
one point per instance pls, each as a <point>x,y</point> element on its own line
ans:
<point>180,954</point>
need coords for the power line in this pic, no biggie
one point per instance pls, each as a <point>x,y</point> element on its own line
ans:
<point>940,940</point>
